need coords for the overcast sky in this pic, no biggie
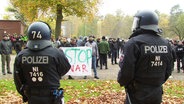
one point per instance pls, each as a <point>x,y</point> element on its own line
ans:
<point>3,5</point>
<point>129,7</point>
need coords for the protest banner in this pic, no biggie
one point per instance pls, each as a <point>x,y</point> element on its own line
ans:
<point>80,59</point>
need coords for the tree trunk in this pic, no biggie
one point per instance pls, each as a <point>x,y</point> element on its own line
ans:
<point>59,19</point>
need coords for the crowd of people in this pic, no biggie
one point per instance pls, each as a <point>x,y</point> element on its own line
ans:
<point>102,49</point>
<point>115,48</point>
<point>107,48</point>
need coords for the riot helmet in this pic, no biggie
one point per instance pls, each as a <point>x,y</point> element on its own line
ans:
<point>39,35</point>
<point>146,20</point>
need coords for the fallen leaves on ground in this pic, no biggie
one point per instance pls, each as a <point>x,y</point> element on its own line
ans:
<point>10,98</point>
<point>105,98</point>
<point>173,94</point>
<point>118,98</point>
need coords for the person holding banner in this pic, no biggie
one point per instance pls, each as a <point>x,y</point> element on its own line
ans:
<point>65,43</point>
<point>95,55</point>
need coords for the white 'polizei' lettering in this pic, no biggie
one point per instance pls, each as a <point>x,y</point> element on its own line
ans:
<point>155,49</point>
<point>35,59</point>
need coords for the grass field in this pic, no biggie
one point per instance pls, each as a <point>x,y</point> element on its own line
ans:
<point>76,89</point>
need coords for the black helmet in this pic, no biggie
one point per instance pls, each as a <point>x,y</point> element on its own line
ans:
<point>39,35</point>
<point>147,20</point>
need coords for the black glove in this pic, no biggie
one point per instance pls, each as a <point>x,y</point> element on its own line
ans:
<point>23,93</point>
<point>24,98</point>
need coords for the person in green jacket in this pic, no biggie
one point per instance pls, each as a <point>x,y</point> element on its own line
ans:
<point>103,48</point>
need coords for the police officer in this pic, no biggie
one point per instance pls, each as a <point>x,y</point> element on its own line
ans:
<point>180,54</point>
<point>38,69</point>
<point>147,61</point>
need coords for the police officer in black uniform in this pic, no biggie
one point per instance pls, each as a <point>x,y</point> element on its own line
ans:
<point>180,54</point>
<point>38,69</point>
<point>147,61</point>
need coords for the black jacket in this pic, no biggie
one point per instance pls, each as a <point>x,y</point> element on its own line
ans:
<point>145,67</point>
<point>40,69</point>
<point>114,46</point>
<point>179,51</point>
